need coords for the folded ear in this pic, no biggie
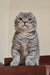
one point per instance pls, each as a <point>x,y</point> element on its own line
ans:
<point>35,20</point>
<point>15,22</point>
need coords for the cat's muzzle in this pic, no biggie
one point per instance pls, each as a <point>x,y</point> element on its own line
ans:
<point>25,26</point>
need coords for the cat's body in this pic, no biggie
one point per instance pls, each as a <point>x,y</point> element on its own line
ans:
<point>25,48</point>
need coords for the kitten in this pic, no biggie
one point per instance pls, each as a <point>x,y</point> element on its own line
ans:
<point>25,46</point>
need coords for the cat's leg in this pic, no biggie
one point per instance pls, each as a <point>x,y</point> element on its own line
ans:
<point>37,57</point>
<point>37,61</point>
<point>30,60</point>
<point>16,58</point>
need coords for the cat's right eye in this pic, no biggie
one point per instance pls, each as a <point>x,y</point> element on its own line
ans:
<point>29,19</point>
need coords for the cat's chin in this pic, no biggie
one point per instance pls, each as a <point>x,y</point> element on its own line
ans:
<point>23,29</point>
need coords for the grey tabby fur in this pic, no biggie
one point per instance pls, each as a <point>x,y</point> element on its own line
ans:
<point>25,46</point>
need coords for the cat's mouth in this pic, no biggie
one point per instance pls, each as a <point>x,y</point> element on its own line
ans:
<point>22,29</point>
<point>24,26</point>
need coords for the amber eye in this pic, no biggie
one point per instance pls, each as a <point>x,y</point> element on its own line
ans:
<point>29,19</point>
<point>20,19</point>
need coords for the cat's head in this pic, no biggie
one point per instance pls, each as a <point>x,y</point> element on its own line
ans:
<point>25,22</point>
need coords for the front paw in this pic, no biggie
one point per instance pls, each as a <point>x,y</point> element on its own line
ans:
<point>29,62</point>
<point>13,63</point>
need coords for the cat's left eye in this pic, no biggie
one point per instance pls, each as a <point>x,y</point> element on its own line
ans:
<point>29,19</point>
<point>20,19</point>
